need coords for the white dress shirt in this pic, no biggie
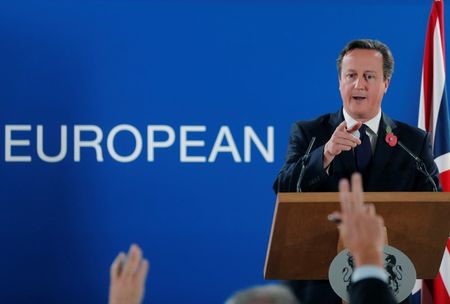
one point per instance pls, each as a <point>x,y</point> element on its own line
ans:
<point>369,272</point>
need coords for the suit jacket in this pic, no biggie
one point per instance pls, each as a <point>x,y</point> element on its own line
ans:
<point>392,169</point>
<point>370,291</point>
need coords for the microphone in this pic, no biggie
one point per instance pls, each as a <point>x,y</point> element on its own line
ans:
<point>305,160</point>
<point>420,165</point>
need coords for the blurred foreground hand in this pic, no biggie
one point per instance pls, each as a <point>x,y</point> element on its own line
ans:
<point>361,230</point>
<point>128,275</point>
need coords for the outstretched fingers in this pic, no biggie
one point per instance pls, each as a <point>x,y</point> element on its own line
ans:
<point>357,191</point>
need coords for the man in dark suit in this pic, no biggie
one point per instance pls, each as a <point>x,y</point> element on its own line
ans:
<point>357,138</point>
<point>361,231</point>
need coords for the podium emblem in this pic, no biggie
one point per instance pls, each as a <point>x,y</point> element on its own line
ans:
<point>401,274</point>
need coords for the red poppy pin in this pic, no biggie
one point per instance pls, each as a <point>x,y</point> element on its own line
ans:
<point>390,138</point>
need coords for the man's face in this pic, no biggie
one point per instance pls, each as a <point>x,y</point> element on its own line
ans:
<point>361,83</point>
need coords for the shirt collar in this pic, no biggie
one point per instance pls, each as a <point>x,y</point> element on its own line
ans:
<point>373,123</point>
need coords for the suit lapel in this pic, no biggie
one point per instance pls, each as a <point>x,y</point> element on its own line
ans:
<point>346,159</point>
<point>383,152</point>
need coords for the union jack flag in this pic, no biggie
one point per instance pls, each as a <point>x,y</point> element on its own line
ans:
<point>434,118</point>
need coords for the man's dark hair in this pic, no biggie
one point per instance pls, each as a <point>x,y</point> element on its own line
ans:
<point>369,44</point>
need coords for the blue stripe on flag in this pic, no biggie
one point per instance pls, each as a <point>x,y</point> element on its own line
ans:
<point>415,299</point>
<point>442,132</point>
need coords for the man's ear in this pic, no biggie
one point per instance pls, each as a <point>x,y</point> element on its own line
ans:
<point>386,84</point>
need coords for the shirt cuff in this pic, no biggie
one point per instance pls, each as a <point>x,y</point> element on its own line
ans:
<point>369,272</point>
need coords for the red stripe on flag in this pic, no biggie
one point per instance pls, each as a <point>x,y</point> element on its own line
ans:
<point>439,6</point>
<point>445,180</point>
<point>427,83</point>
<point>441,295</point>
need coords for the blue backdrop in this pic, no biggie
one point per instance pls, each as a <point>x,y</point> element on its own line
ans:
<point>204,226</point>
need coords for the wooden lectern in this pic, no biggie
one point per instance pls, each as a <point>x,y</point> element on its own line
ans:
<point>303,242</point>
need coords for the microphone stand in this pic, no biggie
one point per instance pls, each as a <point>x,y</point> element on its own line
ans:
<point>305,160</point>
<point>420,165</point>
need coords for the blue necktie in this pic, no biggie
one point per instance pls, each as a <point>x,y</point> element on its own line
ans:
<point>363,152</point>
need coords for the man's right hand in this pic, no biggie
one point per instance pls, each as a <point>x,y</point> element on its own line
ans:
<point>341,140</point>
